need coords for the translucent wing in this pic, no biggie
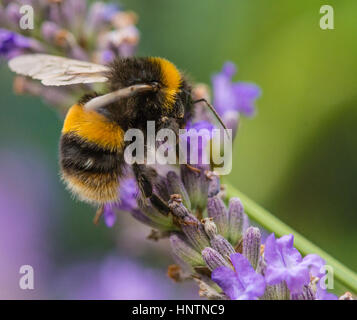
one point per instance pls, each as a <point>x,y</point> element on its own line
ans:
<point>58,71</point>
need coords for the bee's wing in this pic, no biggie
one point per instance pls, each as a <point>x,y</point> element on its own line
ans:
<point>58,71</point>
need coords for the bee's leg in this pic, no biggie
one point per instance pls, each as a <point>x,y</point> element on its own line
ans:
<point>145,177</point>
<point>98,214</point>
<point>192,168</point>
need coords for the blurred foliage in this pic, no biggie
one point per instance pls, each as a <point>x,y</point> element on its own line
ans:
<point>297,157</point>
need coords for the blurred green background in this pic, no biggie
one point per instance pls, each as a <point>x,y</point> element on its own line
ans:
<point>297,157</point>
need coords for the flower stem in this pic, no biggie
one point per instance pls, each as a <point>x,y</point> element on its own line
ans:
<point>344,275</point>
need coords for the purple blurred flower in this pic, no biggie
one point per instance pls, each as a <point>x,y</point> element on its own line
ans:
<point>284,263</point>
<point>127,201</point>
<point>100,13</point>
<point>109,10</point>
<point>237,96</point>
<point>12,43</point>
<point>26,200</point>
<point>243,283</point>
<point>109,215</point>
<point>49,30</point>
<point>12,12</point>
<point>106,56</point>
<point>73,11</point>
<point>118,278</point>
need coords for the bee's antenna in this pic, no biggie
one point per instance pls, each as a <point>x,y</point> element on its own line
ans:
<point>127,92</point>
<point>213,110</point>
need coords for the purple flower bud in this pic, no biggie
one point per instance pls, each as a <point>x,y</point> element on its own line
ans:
<point>251,245</point>
<point>128,193</point>
<point>190,225</point>
<point>185,252</point>
<point>54,14</point>
<point>73,11</point>
<point>238,96</point>
<point>78,53</point>
<point>210,227</point>
<point>222,245</point>
<point>12,12</point>
<point>105,56</point>
<point>217,210</point>
<point>49,30</point>
<point>236,219</point>
<point>100,14</point>
<point>196,184</point>
<point>306,294</point>
<point>13,44</point>
<point>276,292</point>
<point>142,217</point>
<point>214,185</point>
<point>109,215</point>
<point>214,259</point>
<point>126,49</point>
<point>175,186</point>
<point>158,220</point>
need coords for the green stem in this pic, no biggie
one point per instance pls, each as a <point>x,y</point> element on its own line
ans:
<point>344,275</point>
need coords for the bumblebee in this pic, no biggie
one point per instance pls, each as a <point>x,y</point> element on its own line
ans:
<point>92,140</point>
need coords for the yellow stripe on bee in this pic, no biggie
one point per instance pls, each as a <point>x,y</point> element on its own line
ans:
<point>171,79</point>
<point>93,188</point>
<point>93,127</point>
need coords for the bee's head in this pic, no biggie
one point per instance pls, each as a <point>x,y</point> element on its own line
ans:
<point>159,73</point>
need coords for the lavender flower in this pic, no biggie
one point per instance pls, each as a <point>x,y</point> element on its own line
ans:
<point>13,44</point>
<point>236,220</point>
<point>251,245</point>
<point>218,212</point>
<point>117,278</point>
<point>25,220</point>
<point>284,263</point>
<point>211,243</point>
<point>238,96</point>
<point>109,32</point>
<point>242,283</point>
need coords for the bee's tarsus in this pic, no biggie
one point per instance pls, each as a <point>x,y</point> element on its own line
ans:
<point>98,214</point>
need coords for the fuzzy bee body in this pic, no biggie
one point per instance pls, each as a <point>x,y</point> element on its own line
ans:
<point>92,141</point>
<point>91,153</point>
